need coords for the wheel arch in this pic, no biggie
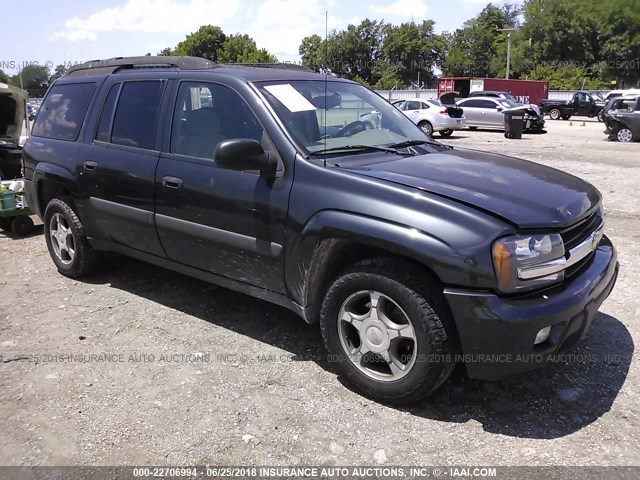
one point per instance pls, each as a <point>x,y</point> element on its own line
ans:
<point>333,241</point>
<point>51,181</point>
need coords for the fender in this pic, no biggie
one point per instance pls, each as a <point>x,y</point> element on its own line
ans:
<point>51,173</point>
<point>310,258</point>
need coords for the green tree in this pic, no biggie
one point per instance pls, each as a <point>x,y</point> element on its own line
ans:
<point>207,43</point>
<point>474,50</point>
<point>165,52</point>
<point>354,52</point>
<point>242,49</point>
<point>566,77</point>
<point>35,80</point>
<point>411,51</point>
<point>4,78</point>
<point>312,51</point>
<point>58,72</point>
<point>618,24</point>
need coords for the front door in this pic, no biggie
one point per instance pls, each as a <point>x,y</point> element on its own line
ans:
<point>228,222</point>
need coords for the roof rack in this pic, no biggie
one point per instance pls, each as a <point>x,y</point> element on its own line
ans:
<point>114,64</point>
<point>281,65</point>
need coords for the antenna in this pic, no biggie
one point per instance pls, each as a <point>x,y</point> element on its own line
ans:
<point>326,72</point>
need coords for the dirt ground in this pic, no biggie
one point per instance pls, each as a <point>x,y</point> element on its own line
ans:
<point>166,369</point>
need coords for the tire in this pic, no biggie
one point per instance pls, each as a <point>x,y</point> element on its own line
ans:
<point>22,225</point>
<point>601,116</point>
<point>69,247</point>
<point>422,363</point>
<point>624,135</point>
<point>426,127</point>
<point>473,128</point>
<point>554,114</point>
<point>368,125</point>
<point>446,133</point>
<point>5,223</point>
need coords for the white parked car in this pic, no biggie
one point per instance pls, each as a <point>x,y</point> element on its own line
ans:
<point>431,116</point>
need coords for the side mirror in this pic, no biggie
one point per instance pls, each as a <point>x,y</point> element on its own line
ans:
<point>499,109</point>
<point>245,154</point>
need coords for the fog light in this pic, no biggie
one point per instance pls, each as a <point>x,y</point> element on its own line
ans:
<point>542,335</point>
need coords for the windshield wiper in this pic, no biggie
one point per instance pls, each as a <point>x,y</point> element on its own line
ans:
<point>359,147</point>
<point>413,143</point>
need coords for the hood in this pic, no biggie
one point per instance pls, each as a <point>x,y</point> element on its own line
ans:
<point>526,107</point>
<point>12,108</point>
<point>526,194</point>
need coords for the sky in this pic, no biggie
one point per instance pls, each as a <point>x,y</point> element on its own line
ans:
<point>75,31</point>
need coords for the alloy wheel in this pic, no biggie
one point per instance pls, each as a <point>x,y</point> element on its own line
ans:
<point>377,335</point>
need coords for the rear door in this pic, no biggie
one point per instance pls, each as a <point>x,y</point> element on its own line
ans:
<point>118,163</point>
<point>227,222</point>
<point>415,109</point>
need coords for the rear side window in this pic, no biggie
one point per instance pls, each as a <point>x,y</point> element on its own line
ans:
<point>63,111</point>
<point>134,123</point>
<point>106,116</point>
<point>473,104</point>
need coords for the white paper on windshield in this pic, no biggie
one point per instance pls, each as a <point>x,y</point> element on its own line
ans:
<point>290,98</point>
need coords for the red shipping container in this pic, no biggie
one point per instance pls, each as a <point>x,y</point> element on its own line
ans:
<point>525,91</point>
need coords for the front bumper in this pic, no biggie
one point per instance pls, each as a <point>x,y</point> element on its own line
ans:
<point>497,333</point>
<point>535,124</point>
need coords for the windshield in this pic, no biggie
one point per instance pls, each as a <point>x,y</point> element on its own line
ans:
<point>324,116</point>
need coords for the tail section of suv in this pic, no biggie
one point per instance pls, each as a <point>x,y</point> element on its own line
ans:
<point>413,256</point>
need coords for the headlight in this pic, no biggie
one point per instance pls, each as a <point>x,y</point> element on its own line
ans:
<point>523,262</point>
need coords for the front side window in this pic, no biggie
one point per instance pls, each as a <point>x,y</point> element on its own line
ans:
<point>331,115</point>
<point>207,114</point>
<point>63,110</point>
<point>136,116</point>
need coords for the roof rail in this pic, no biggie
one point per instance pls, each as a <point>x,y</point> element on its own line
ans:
<point>282,65</point>
<point>112,65</point>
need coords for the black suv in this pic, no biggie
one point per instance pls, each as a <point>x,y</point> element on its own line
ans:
<point>412,255</point>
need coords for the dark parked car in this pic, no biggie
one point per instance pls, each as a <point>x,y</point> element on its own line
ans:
<point>583,104</point>
<point>408,252</point>
<point>622,118</point>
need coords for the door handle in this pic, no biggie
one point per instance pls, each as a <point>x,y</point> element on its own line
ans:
<point>172,182</point>
<point>90,166</point>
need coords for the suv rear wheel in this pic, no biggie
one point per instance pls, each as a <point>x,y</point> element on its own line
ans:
<point>385,331</point>
<point>66,240</point>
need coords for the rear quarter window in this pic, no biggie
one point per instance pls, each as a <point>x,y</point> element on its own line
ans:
<point>63,111</point>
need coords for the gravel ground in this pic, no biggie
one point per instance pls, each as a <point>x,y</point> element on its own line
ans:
<point>184,372</point>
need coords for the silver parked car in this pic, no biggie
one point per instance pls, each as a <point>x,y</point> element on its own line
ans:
<point>431,116</point>
<point>488,112</point>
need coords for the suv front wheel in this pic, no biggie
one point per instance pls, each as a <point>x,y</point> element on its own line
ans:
<point>66,240</point>
<point>384,329</point>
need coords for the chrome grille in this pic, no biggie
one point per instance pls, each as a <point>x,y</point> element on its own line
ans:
<point>579,234</point>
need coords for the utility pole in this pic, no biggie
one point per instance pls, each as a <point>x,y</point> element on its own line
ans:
<point>508,30</point>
